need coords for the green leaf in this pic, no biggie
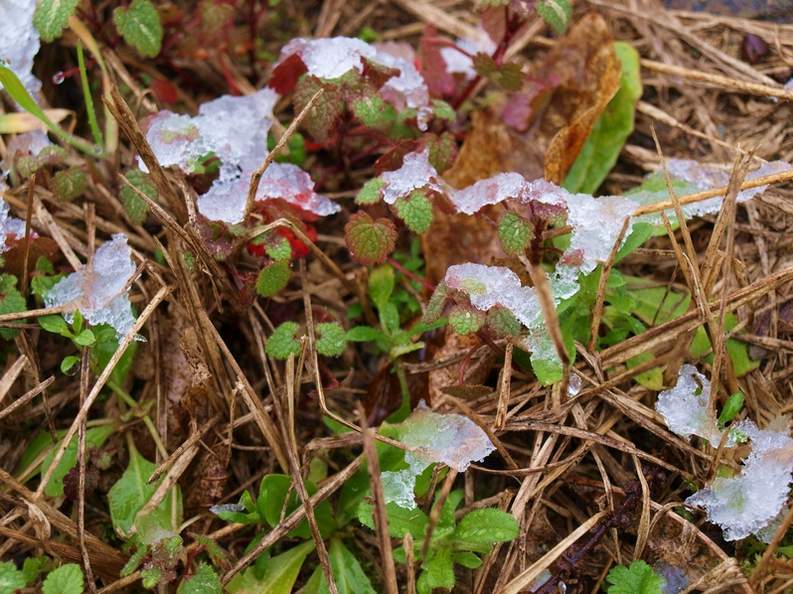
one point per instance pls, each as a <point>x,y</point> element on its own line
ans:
<point>442,110</point>
<point>467,559</point>
<point>638,578</point>
<point>437,571</point>
<point>85,338</point>
<point>279,573</point>
<point>381,285</point>
<point>331,339</point>
<point>67,579</point>
<point>279,249</point>
<point>131,492</point>
<point>556,13</point>
<point>364,334</point>
<point>401,520</point>
<point>17,91</point>
<point>415,211</point>
<point>11,301</point>
<point>52,16</point>
<point>465,320</point>
<point>150,577</point>
<point>375,113</point>
<point>204,581</point>
<point>272,278</point>
<point>68,184</point>
<point>347,573</point>
<point>514,233</point>
<point>104,349</point>
<point>612,129</point>
<point>731,408</point>
<point>273,492</point>
<point>322,118</point>
<point>11,579</point>
<point>140,27</point>
<point>68,363</point>
<point>94,438</point>
<point>55,324</point>
<point>503,322</point>
<point>282,342</point>
<point>32,567</point>
<point>371,192</point>
<point>136,207</point>
<point>369,241</point>
<point>481,528</point>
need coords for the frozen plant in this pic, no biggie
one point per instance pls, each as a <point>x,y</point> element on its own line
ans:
<point>19,41</point>
<point>685,407</point>
<point>460,62</point>
<point>331,58</point>
<point>416,173</point>
<point>9,226</point>
<point>233,130</point>
<point>432,437</point>
<point>751,501</point>
<point>100,291</point>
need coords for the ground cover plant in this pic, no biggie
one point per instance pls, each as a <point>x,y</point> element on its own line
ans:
<point>395,297</point>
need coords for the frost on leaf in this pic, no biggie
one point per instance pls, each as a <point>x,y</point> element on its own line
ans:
<point>432,437</point>
<point>333,57</point>
<point>19,41</point>
<point>234,130</point>
<point>100,291</point>
<point>10,227</point>
<point>752,500</point>
<point>458,62</point>
<point>416,173</point>
<point>685,407</point>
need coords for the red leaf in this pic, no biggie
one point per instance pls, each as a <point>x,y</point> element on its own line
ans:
<point>284,77</point>
<point>433,67</point>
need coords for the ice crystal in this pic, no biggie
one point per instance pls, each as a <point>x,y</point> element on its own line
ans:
<point>19,41</point>
<point>9,226</point>
<point>492,190</point>
<point>750,501</point>
<point>432,437</point>
<point>333,57</point>
<point>234,130</point>
<point>685,407</point>
<point>99,291</point>
<point>415,173</point>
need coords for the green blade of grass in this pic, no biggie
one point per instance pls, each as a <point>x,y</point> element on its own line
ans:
<point>89,100</point>
<point>17,91</point>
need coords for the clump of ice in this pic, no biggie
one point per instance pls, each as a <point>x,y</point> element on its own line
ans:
<point>492,190</point>
<point>19,41</point>
<point>9,226</point>
<point>752,500</point>
<point>415,173</point>
<point>330,58</point>
<point>685,407</point>
<point>432,437</point>
<point>233,129</point>
<point>460,62</point>
<point>100,291</point>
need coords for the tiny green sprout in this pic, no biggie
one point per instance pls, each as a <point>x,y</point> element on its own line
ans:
<point>272,278</point>
<point>415,211</point>
<point>514,233</point>
<point>68,364</point>
<point>465,320</point>
<point>331,339</point>
<point>371,192</point>
<point>731,409</point>
<point>283,343</point>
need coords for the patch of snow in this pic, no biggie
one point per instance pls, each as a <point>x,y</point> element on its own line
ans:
<point>100,291</point>
<point>19,41</point>
<point>332,57</point>
<point>446,438</point>
<point>458,62</point>
<point>27,143</point>
<point>233,129</point>
<point>752,500</point>
<point>416,173</point>
<point>492,190</point>
<point>685,407</point>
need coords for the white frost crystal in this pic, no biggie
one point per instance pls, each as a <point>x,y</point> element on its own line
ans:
<point>751,501</point>
<point>233,129</point>
<point>333,57</point>
<point>432,437</point>
<point>415,173</point>
<point>685,407</point>
<point>19,41</point>
<point>100,291</point>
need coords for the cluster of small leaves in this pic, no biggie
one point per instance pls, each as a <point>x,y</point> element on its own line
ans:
<point>139,23</point>
<point>275,274</point>
<point>80,336</point>
<point>13,579</point>
<point>465,319</point>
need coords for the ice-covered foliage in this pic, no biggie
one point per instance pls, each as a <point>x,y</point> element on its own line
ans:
<point>100,290</point>
<point>432,437</point>
<point>685,407</point>
<point>9,226</point>
<point>416,173</point>
<point>330,58</point>
<point>233,130</point>
<point>752,500</point>
<point>460,62</point>
<point>19,41</point>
